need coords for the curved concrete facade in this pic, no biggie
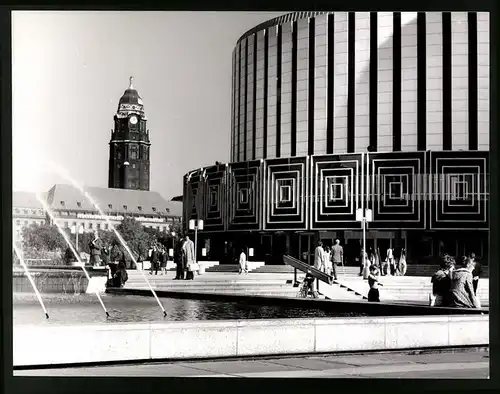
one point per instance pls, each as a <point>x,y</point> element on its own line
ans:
<point>322,83</point>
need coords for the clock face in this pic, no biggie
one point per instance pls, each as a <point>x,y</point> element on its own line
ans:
<point>133,120</point>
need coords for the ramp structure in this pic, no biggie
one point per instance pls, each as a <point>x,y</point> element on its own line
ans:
<point>329,286</point>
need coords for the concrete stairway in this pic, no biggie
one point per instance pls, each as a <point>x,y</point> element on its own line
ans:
<point>407,288</point>
<point>279,285</point>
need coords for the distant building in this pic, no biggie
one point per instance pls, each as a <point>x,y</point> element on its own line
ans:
<point>129,145</point>
<point>70,208</point>
<point>26,210</point>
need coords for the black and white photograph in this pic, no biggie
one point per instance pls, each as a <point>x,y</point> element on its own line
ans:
<point>223,194</point>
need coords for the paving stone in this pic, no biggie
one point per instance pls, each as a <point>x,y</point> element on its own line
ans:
<point>315,364</point>
<point>233,367</point>
<point>119,370</point>
<point>430,358</point>
<point>359,361</point>
<point>466,373</point>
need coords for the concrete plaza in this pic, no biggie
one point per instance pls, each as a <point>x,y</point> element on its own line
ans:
<point>470,364</point>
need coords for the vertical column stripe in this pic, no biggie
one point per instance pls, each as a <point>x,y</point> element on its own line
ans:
<point>373,95</point>
<point>232,108</point>
<point>409,84</point>
<point>266,65</point>
<point>320,83</point>
<point>351,80</point>
<point>434,77</point>
<point>310,121</point>
<point>254,99</point>
<point>473,87</point>
<point>278,90</point>
<point>294,91</point>
<point>396,84</point>
<point>385,75</point>
<point>362,82</point>
<point>421,83</point>
<point>238,80</point>
<point>447,141</point>
<point>459,81</point>
<point>245,102</point>
<point>330,83</point>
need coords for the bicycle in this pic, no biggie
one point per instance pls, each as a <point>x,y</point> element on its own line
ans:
<point>306,288</point>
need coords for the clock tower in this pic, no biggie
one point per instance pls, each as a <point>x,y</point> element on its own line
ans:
<point>129,145</point>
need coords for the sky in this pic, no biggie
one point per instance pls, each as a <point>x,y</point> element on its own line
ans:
<point>69,69</point>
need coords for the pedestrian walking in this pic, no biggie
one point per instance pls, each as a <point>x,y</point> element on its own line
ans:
<point>319,256</point>
<point>163,261</point>
<point>337,257</point>
<point>154,261</point>
<point>190,258</point>
<point>243,262</point>
<point>390,262</point>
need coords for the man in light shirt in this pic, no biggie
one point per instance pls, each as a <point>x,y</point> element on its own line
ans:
<point>319,256</point>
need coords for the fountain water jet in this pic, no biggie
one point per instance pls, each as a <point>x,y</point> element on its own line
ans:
<point>25,267</point>
<point>62,172</point>
<point>68,241</point>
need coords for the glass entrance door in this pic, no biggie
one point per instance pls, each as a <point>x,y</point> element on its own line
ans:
<point>306,248</point>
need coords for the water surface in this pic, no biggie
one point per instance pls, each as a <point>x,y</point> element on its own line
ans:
<point>86,309</point>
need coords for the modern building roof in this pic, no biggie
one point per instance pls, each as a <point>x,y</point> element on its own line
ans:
<point>27,200</point>
<point>116,201</point>
<point>290,17</point>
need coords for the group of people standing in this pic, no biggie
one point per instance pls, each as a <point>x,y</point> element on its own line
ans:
<point>158,256</point>
<point>327,258</point>
<point>391,265</point>
<point>185,260</point>
<point>455,283</point>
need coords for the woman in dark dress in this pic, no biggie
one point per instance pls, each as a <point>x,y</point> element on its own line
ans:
<point>121,275</point>
<point>373,294</point>
<point>163,261</point>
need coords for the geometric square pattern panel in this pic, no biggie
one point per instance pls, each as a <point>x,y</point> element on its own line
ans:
<point>193,196</point>
<point>285,194</point>
<point>335,191</point>
<point>459,190</point>
<point>395,190</point>
<point>244,195</point>
<point>214,196</point>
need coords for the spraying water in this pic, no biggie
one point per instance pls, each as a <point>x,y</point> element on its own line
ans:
<point>21,260</point>
<point>87,195</point>
<point>68,241</point>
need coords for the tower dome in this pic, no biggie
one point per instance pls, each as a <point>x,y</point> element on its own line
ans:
<point>130,102</point>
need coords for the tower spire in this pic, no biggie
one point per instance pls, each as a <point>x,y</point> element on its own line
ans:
<point>131,79</point>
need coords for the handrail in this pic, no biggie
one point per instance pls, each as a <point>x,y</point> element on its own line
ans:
<point>308,269</point>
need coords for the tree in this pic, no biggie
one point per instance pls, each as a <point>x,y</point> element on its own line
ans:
<point>43,237</point>
<point>136,238</point>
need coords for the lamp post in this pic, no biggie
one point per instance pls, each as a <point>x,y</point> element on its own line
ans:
<point>76,229</point>
<point>173,244</point>
<point>196,225</point>
<point>364,216</point>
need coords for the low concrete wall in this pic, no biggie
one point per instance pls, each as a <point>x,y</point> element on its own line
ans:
<point>48,345</point>
<point>62,280</point>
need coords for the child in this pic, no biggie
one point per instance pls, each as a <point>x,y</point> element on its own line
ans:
<point>373,294</point>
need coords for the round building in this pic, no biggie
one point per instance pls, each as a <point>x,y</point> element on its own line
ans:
<point>338,111</point>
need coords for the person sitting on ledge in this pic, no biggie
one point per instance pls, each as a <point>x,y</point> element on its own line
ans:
<point>121,275</point>
<point>441,282</point>
<point>461,287</point>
